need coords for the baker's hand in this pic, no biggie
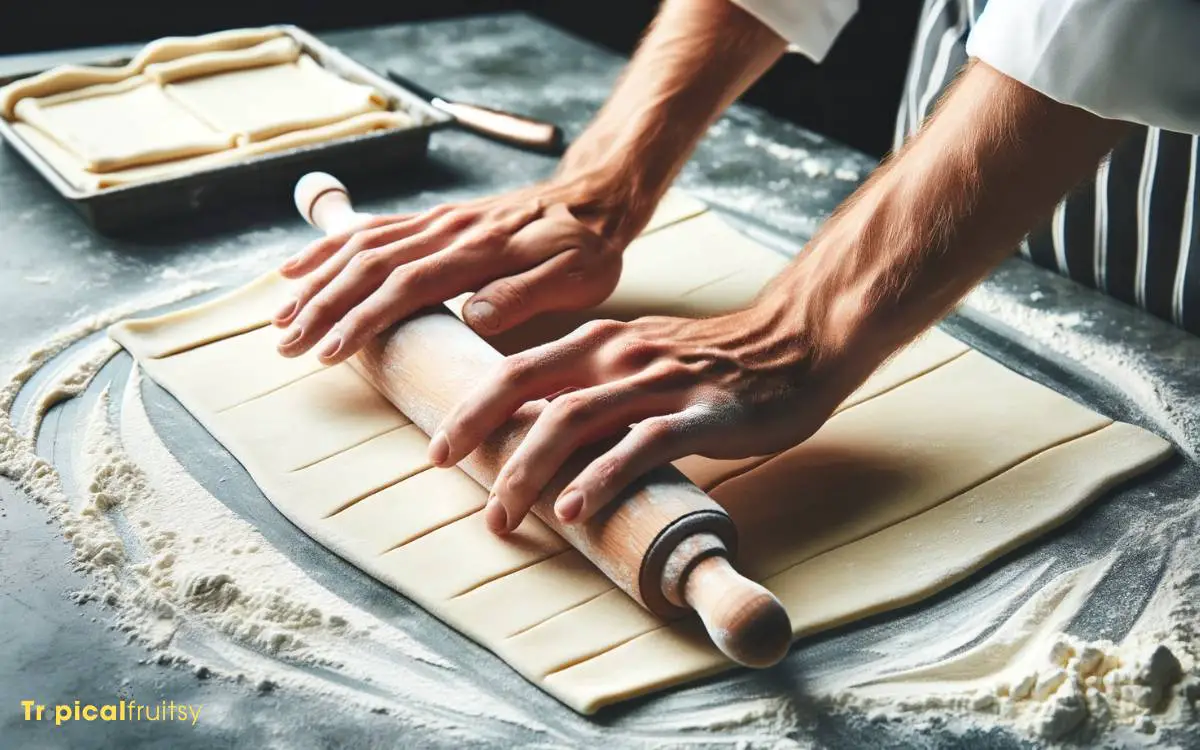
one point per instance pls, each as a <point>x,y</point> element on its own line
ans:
<point>553,246</point>
<point>739,385</point>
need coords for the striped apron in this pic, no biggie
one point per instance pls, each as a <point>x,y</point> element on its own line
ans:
<point>1128,231</point>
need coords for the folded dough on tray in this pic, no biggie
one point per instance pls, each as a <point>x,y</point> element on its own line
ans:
<point>182,105</point>
<point>263,102</point>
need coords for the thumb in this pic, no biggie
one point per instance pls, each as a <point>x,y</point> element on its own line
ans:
<point>555,284</point>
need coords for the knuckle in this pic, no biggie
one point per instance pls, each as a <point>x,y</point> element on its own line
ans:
<point>354,244</point>
<point>602,328</point>
<point>569,410</point>
<point>519,485</point>
<point>638,352</point>
<point>674,372</point>
<point>606,470</point>
<point>317,307</point>
<point>368,262</point>
<point>454,218</point>
<point>654,431</point>
<point>317,248</point>
<point>514,371</point>
<point>350,327</point>
<point>376,235</point>
<point>404,281</point>
<point>489,236</point>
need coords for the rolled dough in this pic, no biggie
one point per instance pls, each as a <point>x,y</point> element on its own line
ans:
<point>941,462</point>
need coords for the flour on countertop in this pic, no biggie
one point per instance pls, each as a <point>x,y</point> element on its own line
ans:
<point>1048,684</point>
<point>18,455</point>
<point>71,380</point>
<point>1125,369</point>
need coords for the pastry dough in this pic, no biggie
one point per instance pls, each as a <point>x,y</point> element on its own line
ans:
<point>184,105</point>
<point>260,103</point>
<point>942,461</point>
<point>277,51</point>
<point>71,170</point>
<point>117,125</point>
<point>71,77</point>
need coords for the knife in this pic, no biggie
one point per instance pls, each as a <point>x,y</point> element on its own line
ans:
<point>506,127</point>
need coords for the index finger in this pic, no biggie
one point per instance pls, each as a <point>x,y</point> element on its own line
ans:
<point>537,373</point>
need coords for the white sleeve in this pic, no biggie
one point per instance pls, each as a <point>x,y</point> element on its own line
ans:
<point>809,26</point>
<point>1133,60</point>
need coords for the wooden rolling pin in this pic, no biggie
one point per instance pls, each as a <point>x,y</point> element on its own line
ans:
<point>663,540</point>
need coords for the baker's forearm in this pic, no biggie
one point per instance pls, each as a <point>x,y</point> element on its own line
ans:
<point>955,201</point>
<point>697,58</point>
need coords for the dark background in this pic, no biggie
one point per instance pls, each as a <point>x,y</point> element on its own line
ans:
<point>852,96</point>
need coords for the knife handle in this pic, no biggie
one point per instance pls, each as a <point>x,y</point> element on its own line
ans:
<point>520,131</point>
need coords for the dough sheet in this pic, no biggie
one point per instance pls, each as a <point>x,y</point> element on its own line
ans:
<point>259,103</point>
<point>941,462</point>
<point>183,105</point>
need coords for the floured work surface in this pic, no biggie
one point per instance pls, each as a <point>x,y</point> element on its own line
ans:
<point>184,104</point>
<point>940,463</point>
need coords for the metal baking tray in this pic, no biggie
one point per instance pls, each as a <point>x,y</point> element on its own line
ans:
<point>112,209</point>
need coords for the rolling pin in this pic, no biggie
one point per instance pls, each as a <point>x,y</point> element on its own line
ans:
<point>663,540</point>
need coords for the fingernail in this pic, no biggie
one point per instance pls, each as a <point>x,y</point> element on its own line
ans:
<point>291,337</point>
<point>332,348</point>
<point>287,311</point>
<point>439,449</point>
<point>289,264</point>
<point>482,314</point>
<point>568,506</point>
<point>496,515</point>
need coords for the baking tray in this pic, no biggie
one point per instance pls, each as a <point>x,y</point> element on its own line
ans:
<point>113,209</point>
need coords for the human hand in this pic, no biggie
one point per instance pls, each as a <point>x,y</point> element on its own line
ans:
<point>554,246</point>
<point>733,386</point>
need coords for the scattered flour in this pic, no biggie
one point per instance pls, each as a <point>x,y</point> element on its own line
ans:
<point>18,456</point>
<point>812,166</point>
<point>70,381</point>
<point>1125,368</point>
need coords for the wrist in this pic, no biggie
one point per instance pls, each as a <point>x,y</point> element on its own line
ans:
<point>609,194</point>
<point>843,297</point>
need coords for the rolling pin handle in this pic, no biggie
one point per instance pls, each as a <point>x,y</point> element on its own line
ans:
<point>324,202</point>
<point>745,620</point>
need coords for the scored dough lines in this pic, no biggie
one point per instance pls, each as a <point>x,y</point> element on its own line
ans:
<point>856,399</point>
<point>956,495</point>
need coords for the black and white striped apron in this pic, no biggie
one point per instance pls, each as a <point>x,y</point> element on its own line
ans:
<point>1128,231</point>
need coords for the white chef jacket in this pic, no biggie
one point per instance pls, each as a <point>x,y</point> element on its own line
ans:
<point>1133,60</point>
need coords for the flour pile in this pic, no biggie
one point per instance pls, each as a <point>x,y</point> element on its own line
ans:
<point>1048,684</point>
